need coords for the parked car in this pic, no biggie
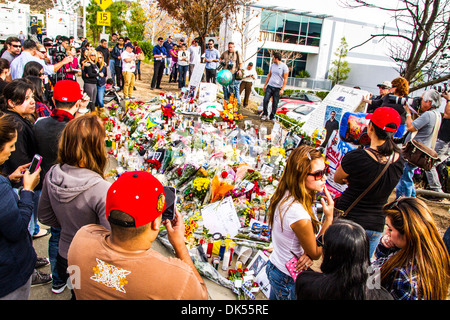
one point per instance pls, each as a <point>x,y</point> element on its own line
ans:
<point>302,113</point>
<point>284,105</point>
<point>303,96</point>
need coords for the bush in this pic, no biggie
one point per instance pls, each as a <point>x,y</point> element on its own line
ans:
<point>147,48</point>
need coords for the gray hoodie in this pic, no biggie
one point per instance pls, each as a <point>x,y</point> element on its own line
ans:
<point>71,198</point>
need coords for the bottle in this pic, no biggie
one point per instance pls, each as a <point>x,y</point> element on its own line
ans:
<point>209,249</point>
<point>222,250</point>
<point>226,261</point>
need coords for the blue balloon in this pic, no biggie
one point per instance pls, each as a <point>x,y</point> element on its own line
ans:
<point>224,77</point>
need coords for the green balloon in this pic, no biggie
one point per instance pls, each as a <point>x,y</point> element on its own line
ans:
<point>224,77</point>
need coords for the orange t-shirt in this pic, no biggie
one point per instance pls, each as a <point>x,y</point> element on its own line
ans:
<point>98,272</point>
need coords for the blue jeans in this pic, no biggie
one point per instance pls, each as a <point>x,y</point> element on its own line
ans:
<point>100,96</point>
<point>182,71</point>
<point>168,63</point>
<point>374,239</point>
<point>405,186</point>
<point>138,67</point>
<point>232,88</point>
<point>53,246</point>
<point>271,92</point>
<point>282,286</point>
<point>112,68</point>
<point>33,226</point>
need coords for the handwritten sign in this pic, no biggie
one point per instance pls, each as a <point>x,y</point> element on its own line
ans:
<point>221,216</point>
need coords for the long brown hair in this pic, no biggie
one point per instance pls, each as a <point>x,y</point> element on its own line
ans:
<point>293,181</point>
<point>8,130</point>
<point>425,252</point>
<point>82,144</point>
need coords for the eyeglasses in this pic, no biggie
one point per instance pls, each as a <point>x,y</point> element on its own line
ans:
<point>320,174</point>
<point>16,45</point>
<point>41,74</point>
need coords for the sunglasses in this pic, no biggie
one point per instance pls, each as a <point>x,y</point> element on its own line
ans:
<point>16,45</point>
<point>320,174</point>
<point>393,204</point>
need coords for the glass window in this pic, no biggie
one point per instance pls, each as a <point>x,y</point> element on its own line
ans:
<point>292,24</point>
<point>268,20</point>
<point>315,27</point>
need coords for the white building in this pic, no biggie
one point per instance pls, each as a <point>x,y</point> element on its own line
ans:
<point>311,32</point>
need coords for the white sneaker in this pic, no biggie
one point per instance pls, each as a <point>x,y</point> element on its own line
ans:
<point>263,118</point>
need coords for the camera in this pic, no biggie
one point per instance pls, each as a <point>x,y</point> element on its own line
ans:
<point>220,66</point>
<point>413,102</point>
<point>230,65</point>
<point>441,89</point>
<point>57,52</point>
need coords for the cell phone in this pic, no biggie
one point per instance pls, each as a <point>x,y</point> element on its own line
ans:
<point>171,200</point>
<point>35,163</point>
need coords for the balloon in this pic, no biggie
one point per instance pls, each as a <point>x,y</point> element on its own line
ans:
<point>224,77</point>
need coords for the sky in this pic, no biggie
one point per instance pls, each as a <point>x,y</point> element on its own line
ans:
<point>335,8</point>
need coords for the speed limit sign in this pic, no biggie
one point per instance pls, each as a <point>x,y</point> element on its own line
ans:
<point>103,18</point>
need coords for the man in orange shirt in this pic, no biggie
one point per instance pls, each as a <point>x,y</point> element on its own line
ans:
<point>120,264</point>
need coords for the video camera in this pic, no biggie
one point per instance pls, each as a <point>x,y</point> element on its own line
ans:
<point>57,51</point>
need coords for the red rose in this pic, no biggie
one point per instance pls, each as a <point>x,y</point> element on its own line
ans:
<point>224,174</point>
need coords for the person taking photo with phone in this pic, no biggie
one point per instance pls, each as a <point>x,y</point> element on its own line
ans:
<point>121,264</point>
<point>16,247</point>
<point>293,221</point>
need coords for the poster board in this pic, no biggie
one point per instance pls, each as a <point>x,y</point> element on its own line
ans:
<point>341,99</point>
<point>335,151</point>
<point>195,78</point>
<point>207,92</point>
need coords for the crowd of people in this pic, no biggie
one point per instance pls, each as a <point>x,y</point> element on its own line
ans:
<point>178,60</point>
<point>370,249</point>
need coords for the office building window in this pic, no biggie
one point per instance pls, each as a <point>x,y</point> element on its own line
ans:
<point>290,28</point>
<point>295,61</point>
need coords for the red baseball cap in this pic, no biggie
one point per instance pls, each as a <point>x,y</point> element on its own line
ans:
<point>139,194</point>
<point>67,91</point>
<point>385,118</point>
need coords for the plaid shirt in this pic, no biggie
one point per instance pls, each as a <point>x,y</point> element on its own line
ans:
<point>61,115</point>
<point>403,282</point>
<point>42,110</point>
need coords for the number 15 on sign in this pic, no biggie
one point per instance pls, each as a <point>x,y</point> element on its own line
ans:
<point>103,18</point>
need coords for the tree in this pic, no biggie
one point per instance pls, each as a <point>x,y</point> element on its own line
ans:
<point>418,45</point>
<point>117,9</point>
<point>338,73</point>
<point>136,24</point>
<point>200,17</point>
<point>158,22</point>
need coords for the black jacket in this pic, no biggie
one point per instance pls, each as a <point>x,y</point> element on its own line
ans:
<point>90,73</point>
<point>25,146</point>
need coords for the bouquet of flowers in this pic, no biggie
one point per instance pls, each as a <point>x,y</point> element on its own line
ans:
<point>243,285</point>
<point>200,187</point>
<point>230,111</point>
<point>113,109</point>
<point>153,164</point>
<point>168,111</point>
<point>207,116</point>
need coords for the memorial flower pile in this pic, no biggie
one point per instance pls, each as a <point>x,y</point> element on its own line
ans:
<point>209,163</point>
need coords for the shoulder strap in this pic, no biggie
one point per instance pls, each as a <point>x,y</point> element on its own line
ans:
<point>437,125</point>
<point>391,158</point>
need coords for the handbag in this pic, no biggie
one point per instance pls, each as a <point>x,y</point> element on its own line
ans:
<point>418,154</point>
<point>140,56</point>
<point>338,213</point>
